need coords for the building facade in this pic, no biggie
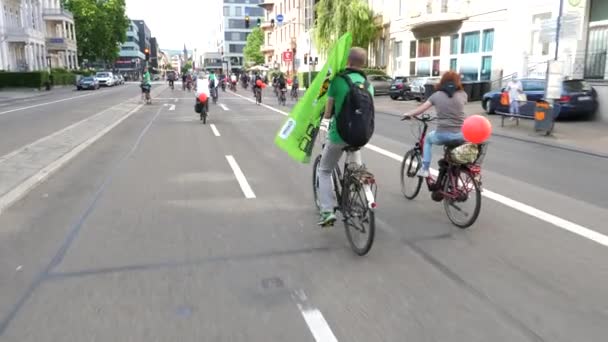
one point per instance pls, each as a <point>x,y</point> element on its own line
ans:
<point>22,29</point>
<point>60,35</point>
<point>154,49</point>
<point>131,59</point>
<point>145,36</point>
<point>233,30</point>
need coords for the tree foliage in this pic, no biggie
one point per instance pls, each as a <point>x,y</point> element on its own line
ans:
<point>252,50</point>
<point>336,17</point>
<point>101,26</point>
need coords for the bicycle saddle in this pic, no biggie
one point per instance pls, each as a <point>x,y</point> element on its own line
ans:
<point>351,149</point>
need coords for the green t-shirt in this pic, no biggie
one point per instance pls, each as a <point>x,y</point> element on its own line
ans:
<point>338,89</point>
<point>147,77</point>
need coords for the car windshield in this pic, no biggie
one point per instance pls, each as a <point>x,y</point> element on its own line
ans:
<point>576,86</point>
<point>87,79</point>
<point>533,85</point>
<point>102,74</point>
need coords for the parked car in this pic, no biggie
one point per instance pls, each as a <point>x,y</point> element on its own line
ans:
<point>87,82</point>
<point>105,78</point>
<point>122,79</point>
<point>417,87</point>
<point>400,88</point>
<point>578,100</point>
<point>117,80</point>
<point>381,83</point>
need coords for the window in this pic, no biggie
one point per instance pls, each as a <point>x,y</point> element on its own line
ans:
<point>413,49</point>
<point>454,64</point>
<point>424,68</point>
<point>454,44</point>
<point>236,48</point>
<point>226,11</point>
<point>254,11</point>
<point>424,48</point>
<point>397,55</point>
<point>597,49</point>
<point>533,85</point>
<point>436,67</point>
<point>436,46</point>
<point>537,47</point>
<point>486,68</point>
<point>470,42</point>
<point>238,11</point>
<point>488,40</point>
<point>412,68</point>
<point>236,23</point>
<point>469,67</point>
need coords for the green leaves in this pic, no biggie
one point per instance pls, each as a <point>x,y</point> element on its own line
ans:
<point>336,17</point>
<point>252,50</point>
<point>101,26</point>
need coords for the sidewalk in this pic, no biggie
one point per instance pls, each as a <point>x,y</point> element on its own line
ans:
<point>589,137</point>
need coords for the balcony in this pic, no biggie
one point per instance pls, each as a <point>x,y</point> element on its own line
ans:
<point>59,43</point>
<point>433,18</point>
<point>17,34</point>
<point>267,49</point>
<point>57,14</point>
<point>266,26</point>
<point>267,5</point>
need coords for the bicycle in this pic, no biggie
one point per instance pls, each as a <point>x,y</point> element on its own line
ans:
<point>283,97</point>
<point>355,189</point>
<point>146,93</point>
<point>294,93</point>
<point>458,180</point>
<point>214,95</point>
<point>258,95</point>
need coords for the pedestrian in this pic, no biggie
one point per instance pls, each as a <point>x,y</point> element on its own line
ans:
<point>515,90</point>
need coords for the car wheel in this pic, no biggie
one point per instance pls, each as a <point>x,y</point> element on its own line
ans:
<point>394,97</point>
<point>488,106</point>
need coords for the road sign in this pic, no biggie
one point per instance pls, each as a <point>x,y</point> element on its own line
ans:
<point>280,18</point>
<point>287,56</point>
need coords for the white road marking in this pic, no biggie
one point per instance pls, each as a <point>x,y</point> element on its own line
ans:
<point>314,319</point>
<point>511,203</point>
<point>240,177</point>
<point>215,131</point>
<point>19,268</point>
<point>172,107</point>
<point>19,191</point>
<point>46,103</point>
<point>223,106</point>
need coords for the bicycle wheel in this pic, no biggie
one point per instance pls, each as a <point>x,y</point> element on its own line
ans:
<point>359,219</point>
<point>410,183</point>
<point>459,196</point>
<point>315,181</point>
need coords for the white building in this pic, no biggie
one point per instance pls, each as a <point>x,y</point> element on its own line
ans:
<point>60,35</point>
<point>233,31</point>
<point>22,40</point>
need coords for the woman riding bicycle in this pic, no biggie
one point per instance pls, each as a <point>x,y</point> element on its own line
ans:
<point>449,101</point>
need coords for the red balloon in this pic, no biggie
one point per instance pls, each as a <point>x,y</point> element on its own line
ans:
<point>476,129</point>
<point>259,83</point>
<point>202,97</point>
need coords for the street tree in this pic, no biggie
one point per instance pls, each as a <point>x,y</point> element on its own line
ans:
<point>101,26</point>
<point>252,50</point>
<point>336,17</point>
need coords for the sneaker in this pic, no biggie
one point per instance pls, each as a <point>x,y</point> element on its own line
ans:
<point>424,173</point>
<point>327,219</point>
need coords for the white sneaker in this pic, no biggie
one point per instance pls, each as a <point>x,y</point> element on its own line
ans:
<point>423,173</point>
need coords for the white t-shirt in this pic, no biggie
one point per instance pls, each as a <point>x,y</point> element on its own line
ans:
<point>514,88</point>
<point>233,78</point>
<point>202,86</point>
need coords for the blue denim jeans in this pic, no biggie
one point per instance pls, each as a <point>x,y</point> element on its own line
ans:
<point>514,107</point>
<point>437,138</point>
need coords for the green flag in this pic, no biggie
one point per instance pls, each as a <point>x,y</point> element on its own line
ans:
<point>298,133</point>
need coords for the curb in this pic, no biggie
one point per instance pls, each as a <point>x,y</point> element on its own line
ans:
<point>559,146</point>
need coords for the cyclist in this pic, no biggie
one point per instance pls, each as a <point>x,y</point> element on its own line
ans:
<point>295,85</point>
<point>449,103</point>
<point>213,84</point>
<point>233,81</point>
<point>171,78</point>
<point>146,84</point>
<point>334,146</point>
<point>255,87</point>
<point>184,79</point>
<point>282,85</point>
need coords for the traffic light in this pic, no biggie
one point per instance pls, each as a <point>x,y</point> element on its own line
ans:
<point>272,23</point>
<point>147,53</point>
<point>247,22</point>
<point>259,22</point>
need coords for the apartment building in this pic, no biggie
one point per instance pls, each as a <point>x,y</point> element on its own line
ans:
<point>60,35</point>
<point>291,34</point>
<point>233,31</point>
<point>22,47</point>
<point>131,58</point>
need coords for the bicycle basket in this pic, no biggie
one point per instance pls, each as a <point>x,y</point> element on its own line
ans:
<point>465,154</point>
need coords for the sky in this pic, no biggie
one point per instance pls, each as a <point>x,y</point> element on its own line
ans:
<point>175,22</point>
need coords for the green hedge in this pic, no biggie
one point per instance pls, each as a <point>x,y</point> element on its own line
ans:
<point>62,77</point>
<point>35,79</point>
<point>374,71</point>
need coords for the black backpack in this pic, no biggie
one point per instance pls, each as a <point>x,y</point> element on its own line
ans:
<point>355,122</point>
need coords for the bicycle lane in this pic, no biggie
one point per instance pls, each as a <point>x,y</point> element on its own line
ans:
<point>533,275</point>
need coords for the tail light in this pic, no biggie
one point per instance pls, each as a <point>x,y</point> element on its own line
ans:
<point>564,98</point>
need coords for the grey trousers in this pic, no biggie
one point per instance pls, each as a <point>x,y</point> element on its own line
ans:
<point>330,157</point>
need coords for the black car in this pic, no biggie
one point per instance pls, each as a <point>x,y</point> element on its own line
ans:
<point>87,83</point>
<point>400,88</point>
<point>578,100</point>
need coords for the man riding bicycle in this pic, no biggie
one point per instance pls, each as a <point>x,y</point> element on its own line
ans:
<point>256,87</point>
<point>334,147</point>
<point>146,85</point>
<point>213,84</point>
<point>171,79</point>
<point>449,103</point>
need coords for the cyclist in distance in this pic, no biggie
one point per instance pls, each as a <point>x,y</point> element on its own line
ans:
<point>449,101</point>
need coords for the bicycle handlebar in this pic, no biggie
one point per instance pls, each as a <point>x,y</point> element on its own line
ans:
<point>422,118</point>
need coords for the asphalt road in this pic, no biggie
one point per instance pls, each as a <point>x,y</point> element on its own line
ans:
<point>147,235</point>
